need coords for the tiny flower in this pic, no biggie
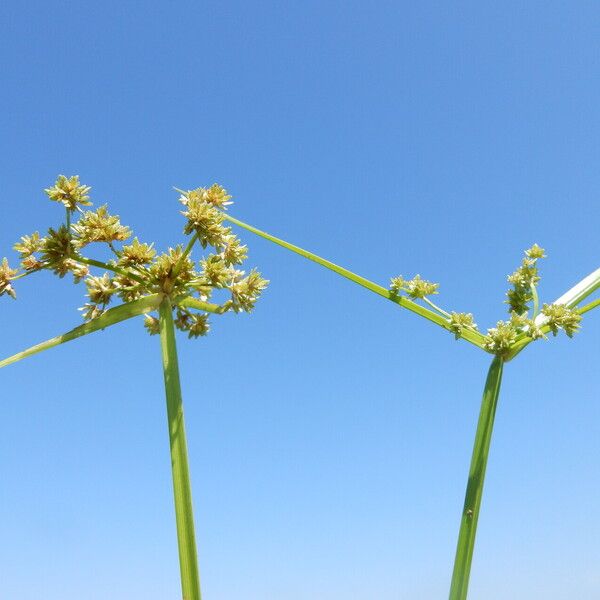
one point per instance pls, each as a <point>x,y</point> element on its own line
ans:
<point>500,339</point>
<point>152,324</point>
<point>200,326</point>
<point>69,192</point>
<point>29,244</point>
<point>57,250</point>
<point>215,271</point>
<point>136,254</point>
<point>234,252</point>
<point>461,321</point>
<point>535,252</point>
<point>206,221</point>
<point>91,311</point>
<point>215,195</point>
<point>419,288</point>
<point>562,317</point>
<point>100,289</point>
<point>6,275</point>
<point>245,293</point>
<point>99,226</point>
<point>397,284</point>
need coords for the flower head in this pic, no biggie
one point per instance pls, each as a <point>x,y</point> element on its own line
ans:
<point>6,275</point>
<point>69,192</point>
<point>461,321</point>
<point>99,226</point>
<point>562,317</point>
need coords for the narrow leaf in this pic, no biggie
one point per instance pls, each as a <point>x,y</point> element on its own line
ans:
<point>110,317</point>
<point>474,337</point>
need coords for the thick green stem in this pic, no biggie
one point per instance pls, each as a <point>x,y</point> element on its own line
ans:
<point>182,491</point>
<point>470,514</point>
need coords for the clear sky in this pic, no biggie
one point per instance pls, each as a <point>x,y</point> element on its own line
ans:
<point>329,432</point>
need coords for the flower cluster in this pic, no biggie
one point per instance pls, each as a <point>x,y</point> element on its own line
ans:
<point>415,287</point>
<point>69,192</point>
<point>521,326</point>
<point>524,280</point>
<point>6,276</point>
<point>561,317</point>
<point>461,321</point>
<point>136,270</point>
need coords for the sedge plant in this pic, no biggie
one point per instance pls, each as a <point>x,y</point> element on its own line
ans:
<point>528,321</point>
<point>170,290</point>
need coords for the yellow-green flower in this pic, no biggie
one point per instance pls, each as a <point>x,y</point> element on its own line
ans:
<point>69,192</point>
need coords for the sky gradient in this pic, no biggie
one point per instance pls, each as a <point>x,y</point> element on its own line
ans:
<point>329,432</point>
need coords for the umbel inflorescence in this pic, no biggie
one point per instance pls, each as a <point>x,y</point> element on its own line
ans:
<point>527,320</point>
<point>135,269</point>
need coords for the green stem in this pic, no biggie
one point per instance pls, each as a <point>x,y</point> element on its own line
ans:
<point>435,307</point>
<point>191,302</point>
<point>102,265</point>
<point>470,514</point>
<point>184,516</point>
<point>187,250</point>
<point>474,337</point>
<point>536,301</point>
<point>588,307</point>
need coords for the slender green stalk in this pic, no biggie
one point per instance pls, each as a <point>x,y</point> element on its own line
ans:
<point>182,491</point>
<point>436,307</point>
<point>187,250</point>
<point>470,514</point>
<point>536,301</point>
<point>191,302</point>
<point>589,306</point>
<point>110,317</point>
<point>102,265</point>
<point>474,337</point>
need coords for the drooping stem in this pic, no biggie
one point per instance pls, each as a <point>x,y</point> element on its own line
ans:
<point>470,514</point>
<point>184,516</point>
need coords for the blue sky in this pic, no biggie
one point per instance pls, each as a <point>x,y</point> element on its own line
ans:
<point>329,432</point>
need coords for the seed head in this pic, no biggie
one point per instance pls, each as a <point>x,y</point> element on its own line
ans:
<point>562,317</point>
<point>69,192</point>
<point>6,275</point>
